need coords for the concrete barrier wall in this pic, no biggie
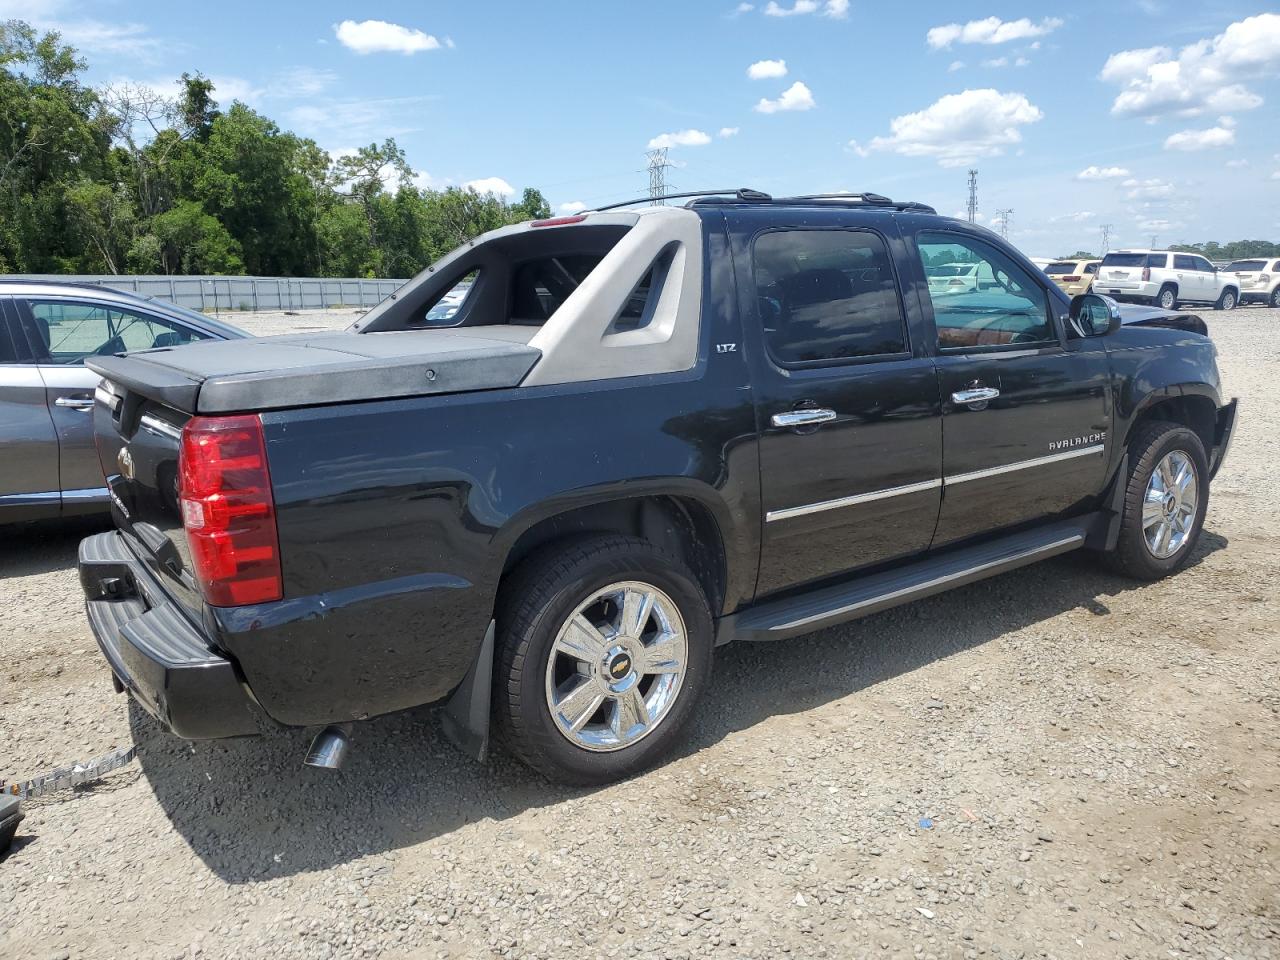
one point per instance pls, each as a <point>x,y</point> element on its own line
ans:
<point>242,293</point>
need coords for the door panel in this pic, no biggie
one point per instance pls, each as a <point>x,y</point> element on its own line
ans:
<point>29,467</point>
<point>1036,450</point>
<point>849,419</point>
<point>70,397</point>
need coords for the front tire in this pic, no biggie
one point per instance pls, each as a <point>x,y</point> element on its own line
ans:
<point>605,647</point>
<point>1167,298</point>
<point>1226,301</point>
<point>1166,496</point>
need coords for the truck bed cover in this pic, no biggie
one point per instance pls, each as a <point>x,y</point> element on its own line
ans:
<point>271,373</point>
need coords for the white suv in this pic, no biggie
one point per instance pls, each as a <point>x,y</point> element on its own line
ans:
<point>1165,278</point>
<point>1259,279</point>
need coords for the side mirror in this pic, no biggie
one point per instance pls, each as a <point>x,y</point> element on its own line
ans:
<point>1095,315</point>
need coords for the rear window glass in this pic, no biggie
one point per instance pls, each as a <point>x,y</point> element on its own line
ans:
<point>1058,268</point>
<point>1125,260</point>
<point>1246,266</point>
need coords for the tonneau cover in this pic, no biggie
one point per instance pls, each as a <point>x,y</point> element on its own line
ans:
<point>270,373</point>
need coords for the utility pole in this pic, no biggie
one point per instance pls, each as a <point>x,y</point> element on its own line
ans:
<point>973,196</point>
<point>1106,238</point>
<point>1153,241</point>
<point>1005,216</point>
<point>658,167</point>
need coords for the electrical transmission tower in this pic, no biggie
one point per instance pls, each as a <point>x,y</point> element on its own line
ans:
<point>658,167</point>
<point>1005,216</point>
<point>973,195</point>
<point>1106,238</point>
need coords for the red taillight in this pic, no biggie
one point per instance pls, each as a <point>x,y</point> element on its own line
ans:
<point>1070,279</point>
<point>1146,274</point>
<point>559,221</point>
<point>228,511</point>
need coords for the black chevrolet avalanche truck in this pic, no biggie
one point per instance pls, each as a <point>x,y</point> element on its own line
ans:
<point>544,480</point>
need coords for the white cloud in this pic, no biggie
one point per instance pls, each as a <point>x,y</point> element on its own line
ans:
<point>955,65</point>
<point>572,207</point>
<point>1153,189</point>
<point>494,185</point>
<point>1276,175</point>
<point>1157,224</point>
<point>1102,173</point>
<point>996,62</point>
<point>767,69</point>
<point>795,97</point>
<point>726,132</point>
<point>991,30</point>
<point>301,82</point>
<point>959,127</point>
<point>742,8</point>
<point>1021,62</point>
<point>1208,75</point>
<point>679,138</point>
<point>378,36</point>
<point>1238,162</point>
<point>85,34</point>
<point>1077,217</point>
<point>357,120</point>
<point>1222,135</point>
<point>835,9</point>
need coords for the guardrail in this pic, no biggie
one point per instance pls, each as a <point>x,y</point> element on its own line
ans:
<point>240,293</point>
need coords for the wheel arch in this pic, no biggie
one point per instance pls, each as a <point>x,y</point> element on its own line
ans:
<point>684,521</point>
<point>1193,408</point>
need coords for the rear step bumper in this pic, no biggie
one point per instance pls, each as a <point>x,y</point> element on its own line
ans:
<point>779,619</point>
<point>156,653</point>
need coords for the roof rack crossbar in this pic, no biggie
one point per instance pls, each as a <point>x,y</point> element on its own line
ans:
<point>741,194</point>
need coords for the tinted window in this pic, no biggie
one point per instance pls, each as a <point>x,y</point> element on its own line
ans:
<point>1125,260</point>
<point>68,332</point>
<point>1158,260</point>
<point>1202,264</point>
<point>1090,268</point>
<point>445,311</point>
<point>1060,268</point>
<point>1246,266</point>
<point>8,348</point>
<point>1004,306</point>
<point>1181,262</point>
<point>827,295</point>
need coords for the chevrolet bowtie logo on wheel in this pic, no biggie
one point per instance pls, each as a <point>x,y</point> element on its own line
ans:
<point>618,669</point>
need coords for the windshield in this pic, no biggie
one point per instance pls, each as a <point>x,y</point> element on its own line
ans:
<point>1246,266</point>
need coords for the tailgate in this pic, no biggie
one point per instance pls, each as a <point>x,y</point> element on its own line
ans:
<point>138,439</point>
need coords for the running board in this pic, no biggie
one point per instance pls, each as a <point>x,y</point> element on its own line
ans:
<point>779,619</point>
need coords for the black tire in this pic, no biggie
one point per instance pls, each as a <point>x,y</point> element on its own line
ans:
<point>1152,443</point>
<point>1274,299</point>
<point>536,602</point>
<point>1167,298</point>
<point>1227,299</point>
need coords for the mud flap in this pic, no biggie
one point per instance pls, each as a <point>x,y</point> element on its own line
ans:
<point>465,718</point>
<point>1104,536</point>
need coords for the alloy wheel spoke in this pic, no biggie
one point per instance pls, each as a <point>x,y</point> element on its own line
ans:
<point>1152,513</point>
<point>663,655</point>
<point>582,640</point>
<point>1166,534</point>
<point>581,702</point>
<point>1166,475</point>
<point>637,605</point>
<point>630,713</point>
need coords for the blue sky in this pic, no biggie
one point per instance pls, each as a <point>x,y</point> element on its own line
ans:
<point>1157,117</point>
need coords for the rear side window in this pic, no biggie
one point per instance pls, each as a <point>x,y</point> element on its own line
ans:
<point>1090,268</point>
<point>1158,261</point>
<point>447,311</point>
<point>827,295</point>
<point>68,331</point>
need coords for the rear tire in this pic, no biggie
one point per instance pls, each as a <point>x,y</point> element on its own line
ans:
<point>605,647</point>
<point>1167,298</point>
<point>1163,513</point>
<point>1274,299</point>
<point>1226,301</point>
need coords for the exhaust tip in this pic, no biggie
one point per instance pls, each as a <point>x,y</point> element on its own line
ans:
<point>329,748</point>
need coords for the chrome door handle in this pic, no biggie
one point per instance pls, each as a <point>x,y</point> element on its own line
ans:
<point>802,418</point>
<point>75,403</point>
<point>975,395</point>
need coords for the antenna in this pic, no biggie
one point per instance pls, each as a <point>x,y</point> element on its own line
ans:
<point>973,195</point>
<point>658,167</point>
<point>1005,216</point>
<point>1106,237</point>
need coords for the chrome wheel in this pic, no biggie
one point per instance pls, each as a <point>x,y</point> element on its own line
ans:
<point>616,666</point>
<point>1167,299</point>
<point>1228,301</point>
<point>1170,506</point>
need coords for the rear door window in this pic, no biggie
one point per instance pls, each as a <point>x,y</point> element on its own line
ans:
<point>1181,262</point>
<point>827,295</point>
<point>1202,264</point>
<point>67,332</point>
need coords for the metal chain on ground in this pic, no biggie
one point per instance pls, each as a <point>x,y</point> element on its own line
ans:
<point>64,778</point>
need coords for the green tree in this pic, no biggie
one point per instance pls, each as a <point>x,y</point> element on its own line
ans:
<point>187,240</point>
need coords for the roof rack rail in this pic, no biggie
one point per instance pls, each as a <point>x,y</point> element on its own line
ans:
<point>739,194</point>
<point>872,199</point>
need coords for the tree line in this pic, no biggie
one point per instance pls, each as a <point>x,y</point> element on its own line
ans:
<point>123,179</point>
<point>1235,250</point>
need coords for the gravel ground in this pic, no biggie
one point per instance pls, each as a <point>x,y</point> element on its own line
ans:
<point>1098,760</point>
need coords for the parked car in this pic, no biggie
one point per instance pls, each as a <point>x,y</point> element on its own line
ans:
<point>49,467</point>
<point>1165,278</point>
<point>949,278</point>
<point>649,432</point>
<point>1073,276</point>
<point>1259,279</point>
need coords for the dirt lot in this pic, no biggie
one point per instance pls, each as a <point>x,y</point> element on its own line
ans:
<point>1099,760</point>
